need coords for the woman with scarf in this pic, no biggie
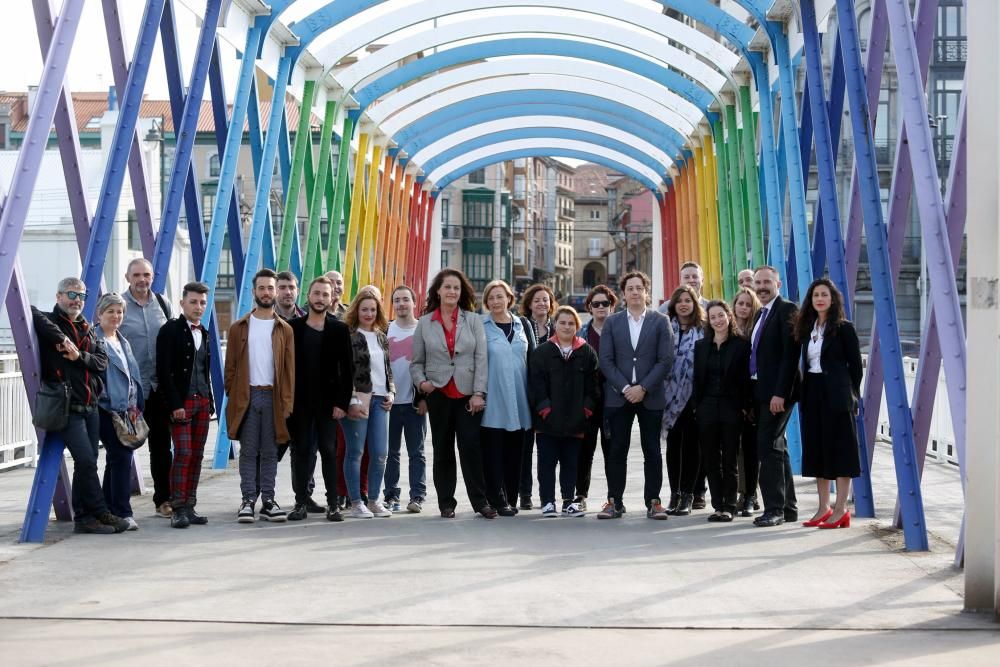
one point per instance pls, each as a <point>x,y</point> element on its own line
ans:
<point>687,318</point>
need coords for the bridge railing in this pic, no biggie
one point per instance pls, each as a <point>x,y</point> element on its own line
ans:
<point>18,443</point>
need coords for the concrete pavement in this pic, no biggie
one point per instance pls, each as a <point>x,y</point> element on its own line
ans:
<point>420,589</point>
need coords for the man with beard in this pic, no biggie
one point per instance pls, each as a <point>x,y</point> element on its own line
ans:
<point>324,376</point>
<point>260,382</point>
<point>286,305</point>
<point>774,376</point>
<point>337,306</point>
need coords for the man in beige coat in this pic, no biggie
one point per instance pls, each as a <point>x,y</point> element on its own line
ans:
<point>260,383</point>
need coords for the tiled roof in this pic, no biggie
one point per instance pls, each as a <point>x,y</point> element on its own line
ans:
<point>90,106</point>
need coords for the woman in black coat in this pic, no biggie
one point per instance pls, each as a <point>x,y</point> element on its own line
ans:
<point>721,399</point>
<point>831,357</point>
<point>563,393</point>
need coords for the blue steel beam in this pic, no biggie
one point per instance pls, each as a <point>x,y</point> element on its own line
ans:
<point>900,418</point>
<point>542,133</point>
<point>774,207</point>
<point>114,175</point>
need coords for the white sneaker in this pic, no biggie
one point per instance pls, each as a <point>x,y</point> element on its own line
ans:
<point>549,510</point>
<point>359,511</point>
<point>574,509</point>
<point>132,525</point>
<point>378,509</point>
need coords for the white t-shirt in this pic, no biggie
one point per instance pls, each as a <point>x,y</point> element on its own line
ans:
<point>261,352</point>
<point>400,356</point>
<point>377,354</point>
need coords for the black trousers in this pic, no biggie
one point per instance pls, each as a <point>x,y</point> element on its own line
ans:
<point>620,419</point>
<point>720,446</point>
<point>748,458</point>
<point>451,422</point>
<point>160,456</point>
<point>527,456</point>
<point>502,465</point>
<point>82,437</point>
<point>313,433</point>
<point>588,447</point>
<point>777,488</point>
<point>683,453</point>
<point>553,451</point>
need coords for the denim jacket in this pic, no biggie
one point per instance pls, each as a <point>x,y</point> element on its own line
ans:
<point>121,390</point>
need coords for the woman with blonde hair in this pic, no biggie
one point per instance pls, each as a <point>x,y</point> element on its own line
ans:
<point>368,414</point>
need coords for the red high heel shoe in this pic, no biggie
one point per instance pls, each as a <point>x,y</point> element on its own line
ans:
<point>812,523</point>
<point>842,522</point>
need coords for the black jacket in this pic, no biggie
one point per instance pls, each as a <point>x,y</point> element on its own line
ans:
<point>566,387</point>
<point>175,360</point>
<point>840,360</point>
<point>337,361</point>
<point>736,391</point>
<point>778,355</point>
<point>83,374</point>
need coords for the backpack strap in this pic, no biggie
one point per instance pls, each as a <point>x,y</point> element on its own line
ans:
<point>163,304</point>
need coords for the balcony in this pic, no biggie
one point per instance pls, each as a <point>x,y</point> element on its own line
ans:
<point>950,50</point>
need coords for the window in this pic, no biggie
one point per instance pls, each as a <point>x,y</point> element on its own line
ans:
<point>445,210</point>
<point>882,123</point>
<point>478,214</point>
<point>214,166</point>
<point>595,214</point>
<point>594,246</point>
<point>134,238</point>
<point>444,259</point>
<point>478,177</point>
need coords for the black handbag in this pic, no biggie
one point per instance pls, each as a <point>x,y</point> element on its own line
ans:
<point>51,406</point>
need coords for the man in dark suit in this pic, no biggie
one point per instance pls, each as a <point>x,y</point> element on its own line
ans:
<point>324,376</point>
<point>637,352</point>
<point>774,372</point>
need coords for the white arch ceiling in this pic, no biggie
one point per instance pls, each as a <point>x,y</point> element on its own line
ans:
<point>540,83</point>
<point>554,144</point>
<point>428,153</point>
<point>642,42</point>
<point>676,112</point>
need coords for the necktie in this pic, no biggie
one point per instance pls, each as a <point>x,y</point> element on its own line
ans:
<point>756,341</point>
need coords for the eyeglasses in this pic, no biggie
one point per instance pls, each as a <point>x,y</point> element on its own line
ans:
<point>73,296</point>
<point>600,304</point>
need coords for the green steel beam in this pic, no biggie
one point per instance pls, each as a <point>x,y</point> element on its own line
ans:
<point>341,198</point>
<point>311,267</point>
<point>754,217</point>
<point>739,238</point>
<point>725,210</point>
<point>303,138</point>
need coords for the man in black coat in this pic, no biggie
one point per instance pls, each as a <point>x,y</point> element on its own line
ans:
<point>774,371</point>
<point>324,380</point>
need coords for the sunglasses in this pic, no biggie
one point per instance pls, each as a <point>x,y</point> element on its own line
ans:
<point>73,296</point>
<point>600,304</point>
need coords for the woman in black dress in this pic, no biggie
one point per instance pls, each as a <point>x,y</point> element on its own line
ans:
<point>831,356</point>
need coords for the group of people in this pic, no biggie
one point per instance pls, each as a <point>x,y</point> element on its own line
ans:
<point>340,384</point>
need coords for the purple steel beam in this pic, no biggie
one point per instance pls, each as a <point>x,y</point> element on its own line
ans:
<point>66,133</point>
<point>36,138</point>
<point>929,365</point>
<point>933,219</point>
<point>899,213</point>
<point>136,168</point>
<point>877,41</point>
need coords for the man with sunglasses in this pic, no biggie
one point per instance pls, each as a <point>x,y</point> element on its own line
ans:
<point>70,353</point>
<point>600,303</point>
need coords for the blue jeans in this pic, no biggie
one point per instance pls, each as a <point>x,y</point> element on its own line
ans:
<point>405,422</point>
<point>376,429</point>
<point>117,469</point>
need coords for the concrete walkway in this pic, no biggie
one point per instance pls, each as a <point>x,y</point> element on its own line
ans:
<point>419,589</point>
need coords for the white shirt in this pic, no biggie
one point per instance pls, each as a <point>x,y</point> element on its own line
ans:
<point>815,348</point>
<point>400,356</point>
<point>116,345</point>
<point>377,354</point>
<point>760,322</point>
<point>634,329</point>
<point>196,334</point>
<point>261,352</point>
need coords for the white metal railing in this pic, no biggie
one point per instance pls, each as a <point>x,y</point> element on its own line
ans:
<point>941,440</point>
<point>18,442</point>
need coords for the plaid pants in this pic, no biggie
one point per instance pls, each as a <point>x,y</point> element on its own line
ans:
<point>189,448</point>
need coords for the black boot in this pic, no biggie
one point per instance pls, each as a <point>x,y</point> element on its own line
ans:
<point>684,508</point>
<point>675,500</point>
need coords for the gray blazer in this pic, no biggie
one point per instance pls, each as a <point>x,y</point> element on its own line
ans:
<point>652,358</point>
<point>432,362</point>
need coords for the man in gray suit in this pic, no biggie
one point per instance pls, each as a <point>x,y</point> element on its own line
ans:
<point>637,352</point>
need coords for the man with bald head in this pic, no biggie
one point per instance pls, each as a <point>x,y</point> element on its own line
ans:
<point>337,308</point>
